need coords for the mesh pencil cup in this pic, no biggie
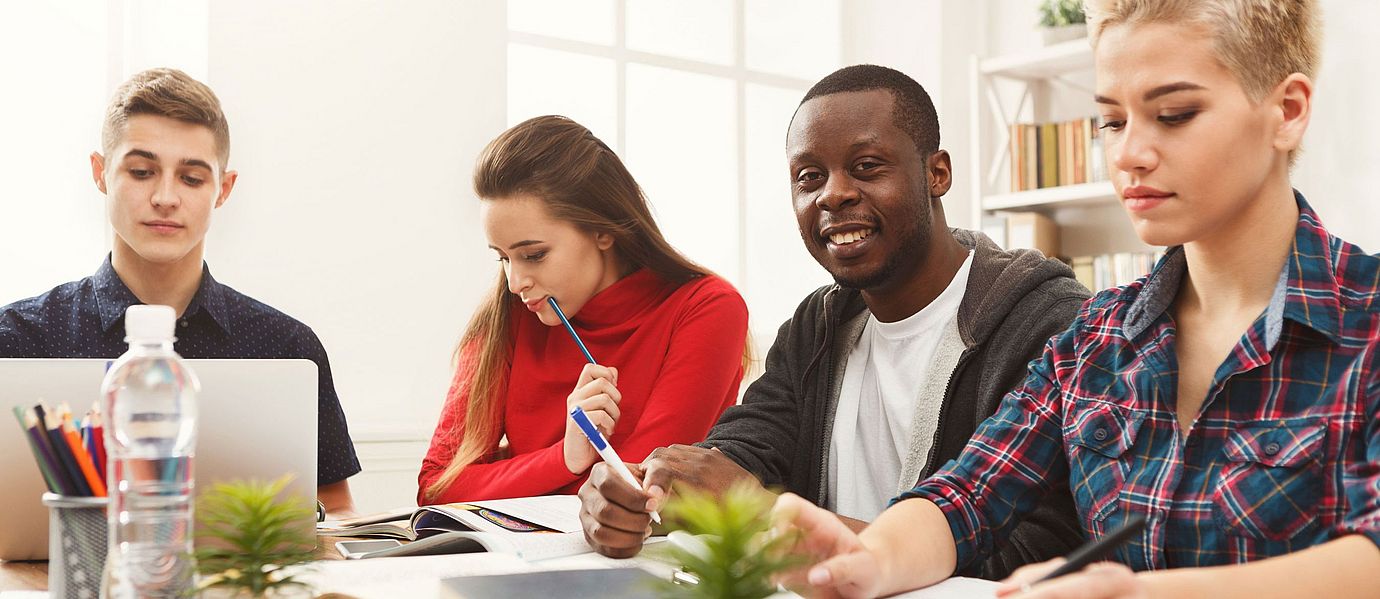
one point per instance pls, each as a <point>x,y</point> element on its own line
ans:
<point>77,544</point>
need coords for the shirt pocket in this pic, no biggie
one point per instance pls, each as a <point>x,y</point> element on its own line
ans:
<point>1272,479</point>
<point>1098,437</point>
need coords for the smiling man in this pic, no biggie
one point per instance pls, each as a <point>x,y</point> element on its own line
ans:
<point>162,169</point>
<point>881,378</point>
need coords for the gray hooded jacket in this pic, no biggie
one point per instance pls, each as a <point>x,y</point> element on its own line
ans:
<point>1013,303</point>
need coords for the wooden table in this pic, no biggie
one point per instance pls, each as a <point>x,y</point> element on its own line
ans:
<point>33,576</point>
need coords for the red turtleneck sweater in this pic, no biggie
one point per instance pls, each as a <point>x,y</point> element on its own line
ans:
<point>678,351</point>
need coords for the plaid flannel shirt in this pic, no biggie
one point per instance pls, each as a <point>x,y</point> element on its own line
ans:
<point>1285,453</point>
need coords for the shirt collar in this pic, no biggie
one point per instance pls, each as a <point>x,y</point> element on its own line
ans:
<point>113,297</point>
<point>1307,291</point>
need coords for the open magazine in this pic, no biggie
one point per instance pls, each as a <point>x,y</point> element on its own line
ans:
<point>529,527</point>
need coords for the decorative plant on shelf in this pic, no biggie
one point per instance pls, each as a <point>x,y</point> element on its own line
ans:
<point>731,553</point>
<point>248,538</point>
<point>1058,13</point>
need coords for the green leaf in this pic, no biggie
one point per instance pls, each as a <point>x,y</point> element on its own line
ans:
<point>245,534</point>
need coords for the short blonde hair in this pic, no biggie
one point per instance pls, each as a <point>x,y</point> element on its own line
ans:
<point>169,93</point>
<point>1260,41</point>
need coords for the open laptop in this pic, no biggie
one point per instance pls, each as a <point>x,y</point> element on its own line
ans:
<point>256,420</point>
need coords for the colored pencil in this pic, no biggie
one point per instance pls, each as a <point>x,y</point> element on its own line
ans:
<point>63,451</point>
<point>39,458</point>
<point>88,468</point>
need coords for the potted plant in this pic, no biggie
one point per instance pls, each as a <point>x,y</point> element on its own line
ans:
<point>247,540</point>
<point>1062,20</point>
<point>725,543</point>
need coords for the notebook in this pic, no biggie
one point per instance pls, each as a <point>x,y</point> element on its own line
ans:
<point>532,528</point>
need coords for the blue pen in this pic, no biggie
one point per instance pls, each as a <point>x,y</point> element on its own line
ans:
<point>595,437</point>
<point>566,321</point>
<point>606,451</point>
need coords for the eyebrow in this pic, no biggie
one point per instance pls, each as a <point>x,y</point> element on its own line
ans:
<point>1162,90</point>
<point>154,157</point>
<point>523,243</point>
<point>869,142</point>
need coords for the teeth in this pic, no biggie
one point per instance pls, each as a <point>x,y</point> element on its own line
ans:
<point>850,237</point>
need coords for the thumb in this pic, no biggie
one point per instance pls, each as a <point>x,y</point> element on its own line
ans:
<point>849,574</point>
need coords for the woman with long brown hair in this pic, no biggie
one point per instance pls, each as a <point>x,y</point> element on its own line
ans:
<point>568,221</point>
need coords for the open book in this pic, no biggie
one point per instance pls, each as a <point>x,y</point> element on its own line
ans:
<point>529,527</point>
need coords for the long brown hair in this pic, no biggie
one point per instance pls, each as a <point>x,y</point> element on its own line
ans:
<point>581,182</point>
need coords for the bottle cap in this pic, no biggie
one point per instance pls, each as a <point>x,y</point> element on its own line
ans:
<point>149,322</point>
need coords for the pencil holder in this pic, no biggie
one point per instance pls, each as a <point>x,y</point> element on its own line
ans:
<point>77,545</point>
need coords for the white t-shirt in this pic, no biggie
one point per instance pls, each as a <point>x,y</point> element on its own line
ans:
<point>878,402</point>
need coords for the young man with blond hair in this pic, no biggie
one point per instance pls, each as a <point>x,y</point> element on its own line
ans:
<point>1231,397</point>
<point>165,145</point>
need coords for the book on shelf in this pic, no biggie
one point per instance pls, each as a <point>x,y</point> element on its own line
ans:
<point>1113,270</point>
<point>1032,230</point>
<point>530,527</point>
<point>1054,154</point>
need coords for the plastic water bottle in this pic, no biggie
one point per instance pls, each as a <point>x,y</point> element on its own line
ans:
<point>149,399</point>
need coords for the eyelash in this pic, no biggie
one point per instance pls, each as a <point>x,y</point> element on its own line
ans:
<point>143,173</point>
<point>537,257</point>
<point>1168,119</point>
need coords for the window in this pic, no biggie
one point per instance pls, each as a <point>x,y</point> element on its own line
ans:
<point>696,97</point>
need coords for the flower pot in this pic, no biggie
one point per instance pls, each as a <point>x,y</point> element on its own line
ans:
<point>1064,33</point>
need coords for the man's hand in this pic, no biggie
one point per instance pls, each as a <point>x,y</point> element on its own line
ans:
<point>1103,580</point>
<point>708,470</point>
<point>617,517</point>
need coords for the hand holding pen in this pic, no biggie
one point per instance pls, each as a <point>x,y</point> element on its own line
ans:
<point>600,393</point>
<point>596,393</point>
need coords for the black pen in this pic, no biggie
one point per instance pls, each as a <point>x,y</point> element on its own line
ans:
<point>1095,550</point>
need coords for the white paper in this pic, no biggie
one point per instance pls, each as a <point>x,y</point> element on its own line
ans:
<point>957,587</point>
<point>557,512</point>
<point>391,577</point>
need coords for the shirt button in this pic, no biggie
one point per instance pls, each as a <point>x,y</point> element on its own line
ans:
<point>1272,449</point>
<point>183,322</point>
<point>1100,434</point>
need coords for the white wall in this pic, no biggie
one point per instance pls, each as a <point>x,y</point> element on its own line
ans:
<point>355,128</point>
<point>1336,170</point>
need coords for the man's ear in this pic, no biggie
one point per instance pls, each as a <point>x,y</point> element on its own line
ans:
<point>940,173</point>
<point>98,170</point>
<point>603,241</point>
<point>1293,101</point>
<point>227,183</point>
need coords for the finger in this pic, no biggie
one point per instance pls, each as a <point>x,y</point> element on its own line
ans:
<point>611,516</point>
<point>657,476</point>
<point>1028,575</point>
<point>822,530</point>
<point>851,574</point>
<point>1098,581</point>
<point>603,403</point>
<point>598,386</point>
<point>615,490</point>
<point>593,371</point>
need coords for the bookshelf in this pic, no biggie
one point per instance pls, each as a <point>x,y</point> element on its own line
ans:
<point>1050,84</point>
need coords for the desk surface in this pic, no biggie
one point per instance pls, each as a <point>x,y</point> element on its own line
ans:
<point>33,576</point>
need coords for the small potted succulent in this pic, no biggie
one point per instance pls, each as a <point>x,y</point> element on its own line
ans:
<point>726,544</point>
<point>248,540</point>
<point>1062,20</point>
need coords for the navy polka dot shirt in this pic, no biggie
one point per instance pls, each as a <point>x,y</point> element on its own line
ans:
<point>85,319</point>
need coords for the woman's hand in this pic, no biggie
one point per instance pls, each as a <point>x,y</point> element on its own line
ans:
<point>597,394</point>
<point>838,564</point>
<point>1102,580</point>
